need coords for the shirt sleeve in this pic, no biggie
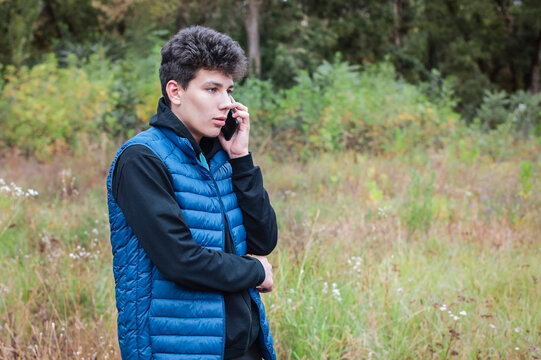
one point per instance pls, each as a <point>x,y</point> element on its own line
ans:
<point>259,216</point>
<point>143,189</point>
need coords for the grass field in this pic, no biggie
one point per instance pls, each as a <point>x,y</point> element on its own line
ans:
<point>421,256</point>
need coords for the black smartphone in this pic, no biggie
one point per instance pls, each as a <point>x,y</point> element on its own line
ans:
<point>230,126</point>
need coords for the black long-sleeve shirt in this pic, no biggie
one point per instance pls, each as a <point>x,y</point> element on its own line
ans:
<point>142,187</point>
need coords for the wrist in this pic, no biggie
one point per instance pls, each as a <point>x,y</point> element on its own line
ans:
<point>238,155</point>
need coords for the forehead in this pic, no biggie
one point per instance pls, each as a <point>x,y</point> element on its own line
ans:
<point>218,78</point>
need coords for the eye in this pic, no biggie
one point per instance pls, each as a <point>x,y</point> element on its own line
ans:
<point>212,90</point>
<point>229,91</point>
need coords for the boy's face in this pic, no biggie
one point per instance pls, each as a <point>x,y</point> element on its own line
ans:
<point>205,103</point>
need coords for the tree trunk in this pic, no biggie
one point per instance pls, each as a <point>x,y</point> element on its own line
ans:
<point>252,30</point>
<point>397,5</point>
<point>510,35</point>
<point>534,67</point>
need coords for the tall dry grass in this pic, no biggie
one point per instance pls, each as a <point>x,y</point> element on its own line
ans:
<point>410,257</point>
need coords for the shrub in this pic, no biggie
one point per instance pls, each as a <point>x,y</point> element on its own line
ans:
<point>521,110</point>
<point>137,88</point>
<point>46,107</point>
<point>340,107</point>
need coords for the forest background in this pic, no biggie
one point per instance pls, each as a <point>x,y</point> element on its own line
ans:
<point>400,142</point>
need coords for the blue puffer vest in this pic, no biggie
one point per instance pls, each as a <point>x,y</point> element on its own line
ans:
<point>158,319</point>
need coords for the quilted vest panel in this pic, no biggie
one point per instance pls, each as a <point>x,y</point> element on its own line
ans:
<point>158,319</point>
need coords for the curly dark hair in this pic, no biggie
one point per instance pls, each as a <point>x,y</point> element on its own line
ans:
<point>198,47</point>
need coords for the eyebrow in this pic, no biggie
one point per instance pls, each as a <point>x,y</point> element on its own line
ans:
<point>217,84</point>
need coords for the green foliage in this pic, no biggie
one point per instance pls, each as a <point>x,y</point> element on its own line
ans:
<point>526,113</point>
<point>493,111</point>
<point>49,107</point>
<point>45,108</point>
<point>18,19</point>
<point>521,111</point>
<point>481,45</point>
<point>136,87</point>
<point>262,99</point>
<point>340,107</point>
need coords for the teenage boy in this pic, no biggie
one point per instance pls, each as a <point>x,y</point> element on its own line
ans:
<point>185,208</point>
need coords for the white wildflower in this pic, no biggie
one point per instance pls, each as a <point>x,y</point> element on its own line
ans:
<point>517,348</point>
<point>82,253</point>
<point>31,192</point>
<point>443,307</point>
<point>492,326</point>
<point>16,190</point>
<point>325,288</point>
<point>95,231</point>
<point>399,290</point>
<point>463,313</point>
<point>336,292</point>
<point>517,329</point>
<point>355,262</point>
<point>383,212</point>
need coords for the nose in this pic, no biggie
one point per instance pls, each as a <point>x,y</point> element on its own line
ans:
<point>225,101</point>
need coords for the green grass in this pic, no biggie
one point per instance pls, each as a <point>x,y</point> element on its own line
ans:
<point>421,256</point>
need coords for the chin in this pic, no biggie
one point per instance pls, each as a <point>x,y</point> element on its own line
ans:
<point>214,134</point>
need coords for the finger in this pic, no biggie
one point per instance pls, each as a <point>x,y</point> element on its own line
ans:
<point>242,115</point>
<point>240,106</point>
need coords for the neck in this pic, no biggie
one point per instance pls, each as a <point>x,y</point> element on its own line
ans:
<point>176,110</point>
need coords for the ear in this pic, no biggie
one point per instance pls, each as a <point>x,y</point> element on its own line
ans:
<point>175,92</point>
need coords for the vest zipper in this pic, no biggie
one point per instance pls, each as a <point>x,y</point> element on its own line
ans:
<point>204,163</point>
<point>227,227</point>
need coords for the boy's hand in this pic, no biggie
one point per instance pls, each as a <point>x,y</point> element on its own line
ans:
<point>238,145</point>
<point>267,284</point>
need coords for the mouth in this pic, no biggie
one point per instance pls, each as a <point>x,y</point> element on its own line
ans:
<point>219,121</point>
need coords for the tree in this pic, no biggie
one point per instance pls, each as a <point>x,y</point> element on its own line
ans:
<point>19,20</point>
<point>252,30</point>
